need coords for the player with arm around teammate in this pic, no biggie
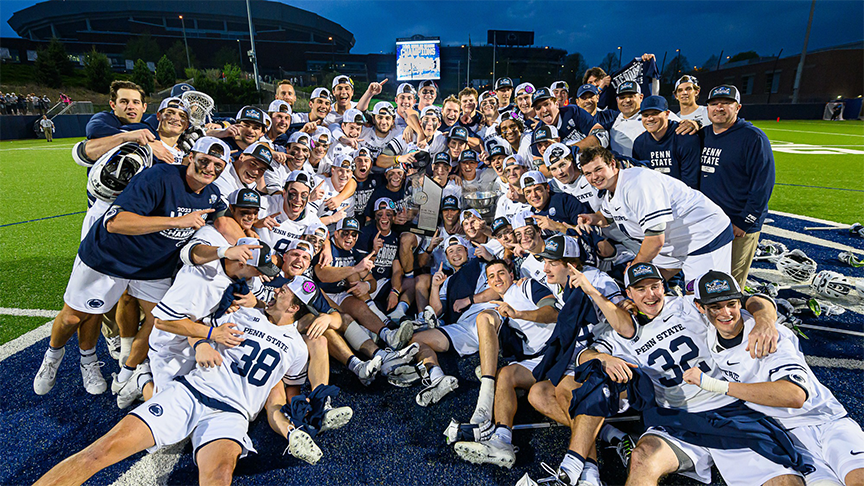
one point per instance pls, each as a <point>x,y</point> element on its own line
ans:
<point>215,406</point>
<point>780,385</point>
<point>667,336</point>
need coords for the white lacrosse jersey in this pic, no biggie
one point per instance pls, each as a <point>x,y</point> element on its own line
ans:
<point>320,208</point>
<point>601,281</point>
<point>509,208</point>
<point>664,348</point>
<point>532,267</point>
<point>645,198</point>
<point>374,143</point>
<point>787,363</point>
<point>268,354</point>
<point>580,189</point>
<point>525,297</point>
<point>625,130</point>
<point>700,115</point>
<point>228,182</point>
<point>280,237</point>
<point>275,178</point>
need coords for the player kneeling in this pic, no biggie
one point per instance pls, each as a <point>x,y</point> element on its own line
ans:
<point>780,385</point>
<point>215,406</point>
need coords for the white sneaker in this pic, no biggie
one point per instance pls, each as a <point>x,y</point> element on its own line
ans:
<point>113,344</point>
<point>116,385</point>
<point>398,338</point>
<point>369,370</point>
<point>430,317</point>
<point>394,359</point>
<point>436,390</point>
<point>493,451</point>
<point>92,377</point>
<point>556,478</point>
<point>335,418</point>
<point>456,432</point>
<point>47,374</point>
<point>128,390</point>
<point>301,446</point>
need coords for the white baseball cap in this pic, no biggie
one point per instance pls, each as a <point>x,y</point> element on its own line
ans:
<point>532,178</point>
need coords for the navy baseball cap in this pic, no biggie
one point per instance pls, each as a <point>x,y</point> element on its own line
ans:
<point>654,103</point>
<point>181,88</point>
<point>348,224</point>
<point>442,158</point>
<point>629,87</point>
<point>716,286</point>
<point>499,224</point>
<point>450,202</point>
<point>497,150</point>
<point>458,133</point>
<point>587,88</point>
<point>726,91</point>
<point>541,95</point>
<point>561,85</point>
<point>503,83</point>
<point>544,133</point>
<point>253,114</point>
<point>468,156</point>
<point>261,152</point>
<point>560,246</point>
<point>245,198</point>
<point>640,271</point>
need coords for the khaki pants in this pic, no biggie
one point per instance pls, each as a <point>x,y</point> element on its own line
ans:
<point>743,249</point>
<point>49,134</point>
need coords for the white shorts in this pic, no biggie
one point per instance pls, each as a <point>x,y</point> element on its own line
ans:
<point>94,214</point>
<point>339,298</point>
<point>529,364</point>
<point>463,334</point>
<point>830,446</point>
<point>378,286</point>
<point>93,292</point>
<point>739,467</point>
<point>696,265</point>
<point>174,413</point>
<point>165,365</point>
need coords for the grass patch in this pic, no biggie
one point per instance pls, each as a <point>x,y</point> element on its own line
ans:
<point>13,326</point>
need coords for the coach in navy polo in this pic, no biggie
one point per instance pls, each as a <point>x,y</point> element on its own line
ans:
<point>665,151</point>
<point>737,173</point>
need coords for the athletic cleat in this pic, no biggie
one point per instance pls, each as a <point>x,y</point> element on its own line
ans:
<point>493,451</point>
<point>436,390</point>
<point>430,317</point>
<point>456,432</point>
<point>556,478</point>
<point>407,375</point>
<point>478,373</point>
<point>624,448</point>
<point>113,345</point>
<point>47,374</point>
<point>369,370</point>
<point>335,418</point>
<point>92,377</point>
<point>301,446</point>
<point>129,391</point>
<point>851,259</point>
<point>401,358</point>
<point>401,337</point>
<point>116,385</point>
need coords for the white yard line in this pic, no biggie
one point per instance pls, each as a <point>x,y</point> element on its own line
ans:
<point>25,341</point>
<point>794,235</point>
<point>809,131</point>
<point>849,364</point>
<point>11,311</point>
<point>50,147</point>
<point>807,218</point>
<point>153,469</point>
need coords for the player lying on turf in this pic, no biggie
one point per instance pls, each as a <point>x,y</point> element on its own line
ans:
<point>215,406</point>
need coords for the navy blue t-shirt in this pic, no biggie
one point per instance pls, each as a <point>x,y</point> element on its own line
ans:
<point>158,191</point>
<point>106,123</point>
<point>384,260</point>
<point>381,191</point>
<point>738,173</point>
<point>674,155</point>
<point>364,192</point>
<point>574,123</point>
<point>566,208</point>
<point>460,285</point>
<point>643,72</point>
<point>341,259</point>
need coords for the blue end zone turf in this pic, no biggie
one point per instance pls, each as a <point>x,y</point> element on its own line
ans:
<point>391,440</point>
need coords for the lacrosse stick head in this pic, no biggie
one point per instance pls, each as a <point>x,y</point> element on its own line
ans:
<point>200,107</point>
<point>832,284</point>
<point>796,266</point>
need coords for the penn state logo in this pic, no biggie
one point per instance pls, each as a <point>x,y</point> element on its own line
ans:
<point>213,198</point>
<point>717,286</point>
<point>155,409</point>
<point>798,378</point>
<point>641,270</point>
<point>552,211</point>
<point>309,287</point>
<point>95,303</point>
<point>556,154</point>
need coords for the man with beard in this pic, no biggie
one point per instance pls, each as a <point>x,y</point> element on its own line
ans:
<point>666,151</point>
<point>134,246</point>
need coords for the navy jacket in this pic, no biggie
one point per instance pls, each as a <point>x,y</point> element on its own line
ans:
<point>674,155</point>
<point>570,330</point>
<point>738,173</point>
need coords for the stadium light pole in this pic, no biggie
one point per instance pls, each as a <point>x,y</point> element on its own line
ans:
<point>494,43</point>
<point>620,52</point>
<point>800,70</point>
<point>188,62</point>
<point>240,52</point>
<point>254,54</point>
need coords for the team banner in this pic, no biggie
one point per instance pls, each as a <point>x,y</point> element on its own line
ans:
<point>418,60</point>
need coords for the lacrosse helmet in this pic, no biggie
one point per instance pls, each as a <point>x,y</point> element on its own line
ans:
<point>796,265</point>
<point>113,171</point>
<point>832,284</point>
<point>769,250</point>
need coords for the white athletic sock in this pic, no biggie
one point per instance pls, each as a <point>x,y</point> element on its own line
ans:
<point>54,353</point>
<point>504,433</point>
<point>485,399</point>
<point>125,348</point>
<point>608,433</point>
<point>88,356</point>
<point>435,372</point>
<point>375,310</point>
<point>591,472</point>
<point>125,373</point>
<point>573,464</point>
<point>354,364</point>
<point>143,379</point>
<point>385,332</point>
<point>399,312</point>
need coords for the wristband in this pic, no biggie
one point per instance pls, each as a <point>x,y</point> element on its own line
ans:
<point>396,292</point>
<point>209,333</point>
<point>195,346</point>
<point>220,252</point>
<point>713,384</point>
<point>471,298</point>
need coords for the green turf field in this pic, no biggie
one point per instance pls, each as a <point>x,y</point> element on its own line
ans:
<point>40,180</point>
